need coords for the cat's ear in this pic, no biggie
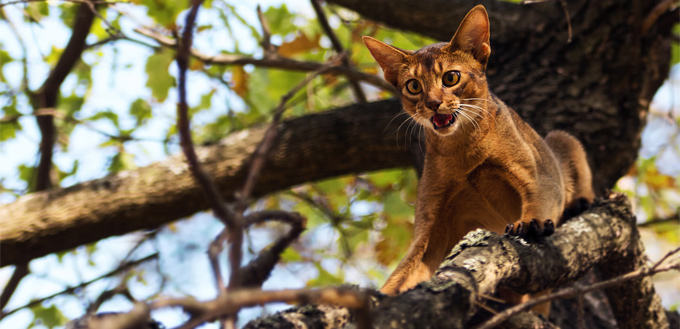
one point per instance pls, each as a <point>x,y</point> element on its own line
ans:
<point>473,35</point>
<point>388,57</point>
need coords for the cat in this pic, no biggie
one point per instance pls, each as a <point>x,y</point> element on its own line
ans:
<point>484,166</point>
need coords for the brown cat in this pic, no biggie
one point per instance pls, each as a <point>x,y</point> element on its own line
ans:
<point>484,166</point>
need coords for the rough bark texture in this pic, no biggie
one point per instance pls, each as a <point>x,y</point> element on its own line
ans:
<point>483,261</point>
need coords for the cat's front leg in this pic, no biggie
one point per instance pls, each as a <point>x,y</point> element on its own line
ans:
<point>430,238</point>
<point>410,271</point>
<point>541,206</point>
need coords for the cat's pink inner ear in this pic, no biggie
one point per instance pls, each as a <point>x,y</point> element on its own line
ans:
<point>389,58</point>
<point>473,35</point>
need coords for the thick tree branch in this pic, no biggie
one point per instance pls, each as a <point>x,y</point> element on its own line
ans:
<point>353,139</point>
<point>483,261</point>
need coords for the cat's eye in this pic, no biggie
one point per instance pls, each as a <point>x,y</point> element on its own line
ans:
<point>451,78</point>
<point>413,86</point>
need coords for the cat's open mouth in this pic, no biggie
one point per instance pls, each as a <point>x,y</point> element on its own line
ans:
<point>442,120</point>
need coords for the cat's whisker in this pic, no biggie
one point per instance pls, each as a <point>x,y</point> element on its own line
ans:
<point>476,99</point>
<point>481,109</point>
<point>405,121</point>
<point>394,117</point>
<point>420,142</point>
<point>408,135</point>
<point>467,110</point>
<point>475,125</point>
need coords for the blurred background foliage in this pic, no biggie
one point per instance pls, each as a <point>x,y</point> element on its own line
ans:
<point>116,112</point>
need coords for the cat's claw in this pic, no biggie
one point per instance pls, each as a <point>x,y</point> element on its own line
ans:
<point>532,230</point>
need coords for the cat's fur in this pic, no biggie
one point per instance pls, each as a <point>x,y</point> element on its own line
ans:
<point>484,166</point>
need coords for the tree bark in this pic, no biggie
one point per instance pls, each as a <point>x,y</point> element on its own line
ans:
<point>484,261</point>
<point>597,87</point>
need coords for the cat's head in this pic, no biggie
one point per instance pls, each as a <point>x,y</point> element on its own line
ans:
<point>441,84</point>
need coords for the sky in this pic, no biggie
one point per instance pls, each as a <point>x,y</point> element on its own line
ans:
<point>183,246</point>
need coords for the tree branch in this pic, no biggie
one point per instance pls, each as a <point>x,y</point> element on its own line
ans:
<point>48,94</point>
<point>121,268</point>
<point>272,61</point>
<point>484,261</point>
<point>337,46</point>
<point>307,149</point>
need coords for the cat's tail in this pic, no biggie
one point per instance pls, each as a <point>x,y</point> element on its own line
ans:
<point>575,170</point>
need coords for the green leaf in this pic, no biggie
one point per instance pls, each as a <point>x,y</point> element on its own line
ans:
<point>27,174</point>
<point>8,130</point>
<point>290,255</point>
<point>4,59</point>
<point>141,110</point>
<point>37,10</point>
<point>49,317</point>
<point>165,12</point>
<point>325,278</point>
<point>107,115</point>
<point>64,174</point>
<point>158,75</point>
<point>122,161</point>
<point>280,20</point>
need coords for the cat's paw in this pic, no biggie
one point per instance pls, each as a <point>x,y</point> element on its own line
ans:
<point>530,230</point>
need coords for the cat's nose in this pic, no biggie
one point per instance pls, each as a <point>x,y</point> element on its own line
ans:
<point>433,104</point>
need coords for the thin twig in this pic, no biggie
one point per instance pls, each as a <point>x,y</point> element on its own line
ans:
<point>656,12</point>
<point>235,300</point>
<point>674,219</point>
<point>261,152</point>
<point>579,290</point>
<point>70,290</point>
<point>272,62</point>
<point>563,3</point>
<point>74,1</point>
<point>337,46</point>
<point>266,43</point>
<point>259,269</point>
<point>47,95</point>
<point>20,271</point>
<point>214,198</point>
<point>233,223</point>
<point>62,116</point>
<point>22,44</point>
